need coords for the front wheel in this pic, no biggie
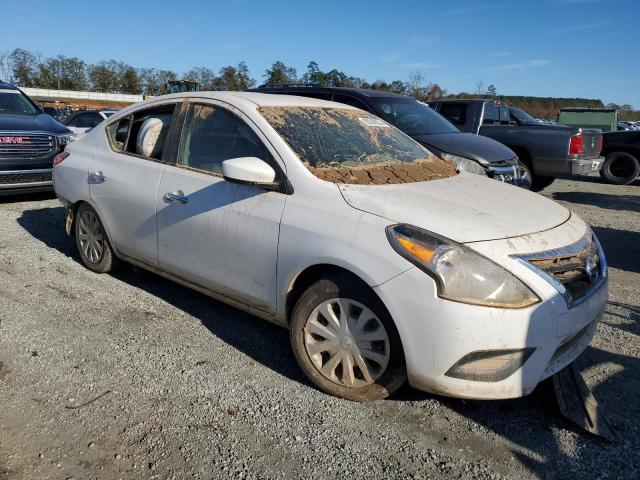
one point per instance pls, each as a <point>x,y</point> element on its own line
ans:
<point>91,240</point>
<point>345,340</point>
<point>539,182</point>
<point>620,168</point>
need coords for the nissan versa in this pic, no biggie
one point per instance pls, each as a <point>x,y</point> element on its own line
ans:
<point>384,262</point>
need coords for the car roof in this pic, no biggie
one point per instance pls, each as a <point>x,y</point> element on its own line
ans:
<point>357,92</point>
<point>7,86</point>
<point>258,99</point>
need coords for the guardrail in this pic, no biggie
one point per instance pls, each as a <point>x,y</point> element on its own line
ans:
<point>42,93</point>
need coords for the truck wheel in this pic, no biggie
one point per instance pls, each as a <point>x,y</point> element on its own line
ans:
<point>92,242</point>
<point>620,168</point>
<point>345,340</point>
<point>539,182</point>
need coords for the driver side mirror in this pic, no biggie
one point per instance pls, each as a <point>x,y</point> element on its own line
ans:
<point>249,171</point>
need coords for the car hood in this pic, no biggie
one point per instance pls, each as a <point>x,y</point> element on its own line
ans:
<point>32,123</point>
<point>468,145</point>
<point>465,208</point>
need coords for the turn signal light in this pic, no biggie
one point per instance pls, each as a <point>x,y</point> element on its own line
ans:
<point>57,160</point>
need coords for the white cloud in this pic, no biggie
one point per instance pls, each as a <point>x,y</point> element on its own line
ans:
<point>463,11</point>
<point>538,62</point>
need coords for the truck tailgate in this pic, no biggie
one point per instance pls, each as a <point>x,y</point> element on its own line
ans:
<point>592,142</point>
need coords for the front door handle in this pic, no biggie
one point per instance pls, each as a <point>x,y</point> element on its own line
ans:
<point>96,177</point>
<point>176,197</point>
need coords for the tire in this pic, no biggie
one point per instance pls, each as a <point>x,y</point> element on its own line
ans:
<point>620,168</point>
<point>539,182</point>
<point>92,242</point>
<point>367,317</point>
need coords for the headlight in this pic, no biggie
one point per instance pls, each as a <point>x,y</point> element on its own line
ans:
<point>66,138</point>
<point>461,274</point>
<point>465,164</point>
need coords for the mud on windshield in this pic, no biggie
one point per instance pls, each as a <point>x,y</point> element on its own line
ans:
<point>352,146</point>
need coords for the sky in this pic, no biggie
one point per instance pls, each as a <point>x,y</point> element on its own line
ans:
<point>560,48</point>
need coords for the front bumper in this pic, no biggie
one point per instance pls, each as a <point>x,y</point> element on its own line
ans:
<point>25,180</point>
<point>437,333</point>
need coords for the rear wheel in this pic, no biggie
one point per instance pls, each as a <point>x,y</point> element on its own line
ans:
<point>620,168</point>
<point>345,340</point>
<point>91,240</point>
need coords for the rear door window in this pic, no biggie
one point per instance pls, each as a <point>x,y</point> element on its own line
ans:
<point>490,115</point>
<point>504,115</point>
<point>87,120</point>
<point>212,135</point>
<point>454,112</point>
<point>144,133</point>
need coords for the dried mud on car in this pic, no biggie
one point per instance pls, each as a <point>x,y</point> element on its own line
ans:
<point>419,171</point>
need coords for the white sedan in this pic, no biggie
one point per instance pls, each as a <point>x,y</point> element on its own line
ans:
<point>382,260</point>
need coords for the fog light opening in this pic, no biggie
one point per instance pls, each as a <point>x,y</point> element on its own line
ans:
<point>489,365</point>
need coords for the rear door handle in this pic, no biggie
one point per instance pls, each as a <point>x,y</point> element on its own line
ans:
<point>96,177</point>
<point>176,197</point>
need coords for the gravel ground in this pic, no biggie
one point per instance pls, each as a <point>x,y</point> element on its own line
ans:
<point>132,376</point>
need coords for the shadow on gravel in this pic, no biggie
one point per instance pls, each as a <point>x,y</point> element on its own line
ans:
<point>28,197</point>
<point>266,343</point>
<point>629,203</point>
<point>532,423</point>
<point>621,248</point>
<point>47,225</point>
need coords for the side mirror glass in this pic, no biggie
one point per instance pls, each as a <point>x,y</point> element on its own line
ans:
<point>250,171</point>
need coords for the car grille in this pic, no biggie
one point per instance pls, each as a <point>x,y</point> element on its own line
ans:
<point>575,270</point>
<point>24,176</point>
<point>16,145</point>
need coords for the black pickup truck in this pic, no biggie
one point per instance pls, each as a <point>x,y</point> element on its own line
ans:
<point>546,151</point>
<point>622,157</point>
<point>29,139</point>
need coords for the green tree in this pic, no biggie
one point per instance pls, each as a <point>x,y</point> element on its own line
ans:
<point>24,66</point>
<point>130,81</point>
<point>204,76</point>
<point>105,76</point>
<point>491,90</point>
<point>234,78</point>
<point>280,74</point>
<point>314,74</point>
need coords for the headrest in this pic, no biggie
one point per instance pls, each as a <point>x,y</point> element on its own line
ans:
<point>148,136</point>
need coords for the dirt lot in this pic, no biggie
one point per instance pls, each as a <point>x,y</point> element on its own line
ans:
<point>131,376</point>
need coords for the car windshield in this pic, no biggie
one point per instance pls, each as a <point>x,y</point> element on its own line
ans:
<point>522,116</point>
<point>412,117</point>
<point>353,146</point>
<point>12,102</point>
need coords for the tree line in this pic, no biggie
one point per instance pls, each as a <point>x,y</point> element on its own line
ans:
<point>28,69</point>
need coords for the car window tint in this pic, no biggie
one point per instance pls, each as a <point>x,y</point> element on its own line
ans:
<point>349,100</point>
<point>504,115</point>
<point>87,120</point>
<point>490,114</point>
<point>118,133</point>
<point>213,134</point>
<point>318,95</point>
<point>454,112</point>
